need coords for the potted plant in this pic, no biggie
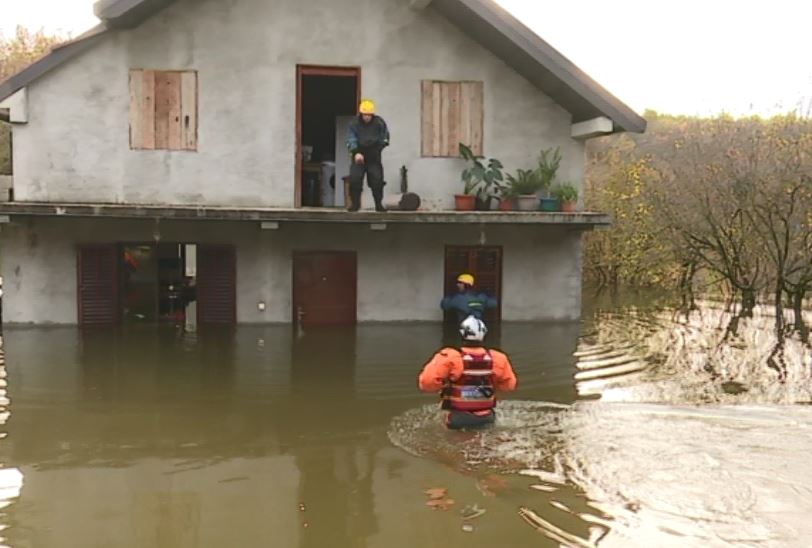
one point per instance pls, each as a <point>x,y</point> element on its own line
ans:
<point>567,195</point>
<point>523,187</point>
<point>483,181</point>
<point>549,161</point>
<point>507,199</point>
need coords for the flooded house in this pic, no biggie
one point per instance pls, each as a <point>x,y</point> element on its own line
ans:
<point>185,161</point>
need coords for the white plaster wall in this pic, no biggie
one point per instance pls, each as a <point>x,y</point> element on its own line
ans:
<point>400,270</point>
<point>75,146</point>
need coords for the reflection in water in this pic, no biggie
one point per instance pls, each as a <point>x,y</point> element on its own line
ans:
<point>151,436</point>
<point>669,473</point>
<point>11,479</point>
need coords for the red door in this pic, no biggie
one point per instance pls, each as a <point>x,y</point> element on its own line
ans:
<point>485,264</point>
<point>325,287</point>
<point>98,285</point>
<point>216,284</point>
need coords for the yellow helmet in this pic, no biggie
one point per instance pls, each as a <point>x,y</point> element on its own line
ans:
<point>367,107</point>
<point>466,279</point>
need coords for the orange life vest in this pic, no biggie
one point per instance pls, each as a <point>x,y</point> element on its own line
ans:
<point>474,390</point>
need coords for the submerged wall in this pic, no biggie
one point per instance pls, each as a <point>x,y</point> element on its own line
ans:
<point>400,270</point>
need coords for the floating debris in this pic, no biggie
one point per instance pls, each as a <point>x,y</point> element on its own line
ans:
<point>436,492</point>
<point>551,531</point>
<point>467,527</point>
<point>491,484</point>
<point>560,505</point>
<point>442,504</point>
<point>549,477</point>
<point>438,498</point>
<point>545,488</point>
<point>472,512</point>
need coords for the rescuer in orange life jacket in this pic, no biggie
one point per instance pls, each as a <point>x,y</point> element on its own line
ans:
<point>467,378</point>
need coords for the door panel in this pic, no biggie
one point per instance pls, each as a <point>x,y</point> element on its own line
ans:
<point>98,285</point>
<point>325,288</point>
<point>485,264</point>
<point>216,284</point>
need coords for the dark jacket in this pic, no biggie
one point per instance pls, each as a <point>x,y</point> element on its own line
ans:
<point>468,304</point>
<point>371,137</point>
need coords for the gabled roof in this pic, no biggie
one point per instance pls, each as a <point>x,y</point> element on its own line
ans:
<point>488,23</point>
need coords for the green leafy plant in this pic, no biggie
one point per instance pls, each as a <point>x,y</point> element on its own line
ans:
<point>566,192</point>
<point>549,161</point>
<point>525,182</point>
<point>482,179</point>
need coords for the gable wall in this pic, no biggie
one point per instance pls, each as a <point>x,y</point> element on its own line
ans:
<point>75,147</point>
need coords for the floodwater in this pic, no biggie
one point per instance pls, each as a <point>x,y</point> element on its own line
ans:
<point>631,429</point>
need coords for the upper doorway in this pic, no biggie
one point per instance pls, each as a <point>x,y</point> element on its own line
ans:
<point>326,101</point>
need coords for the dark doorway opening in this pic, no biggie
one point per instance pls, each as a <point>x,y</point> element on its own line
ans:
<point>327,99</point>
<point>180,283</point>
<point>158,282</point>
<point>485,264</point>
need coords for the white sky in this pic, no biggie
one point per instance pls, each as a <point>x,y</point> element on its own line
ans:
<point>681,57</point>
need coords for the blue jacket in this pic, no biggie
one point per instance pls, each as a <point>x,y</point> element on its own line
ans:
<point>468,304</point>
<point>362,137</point>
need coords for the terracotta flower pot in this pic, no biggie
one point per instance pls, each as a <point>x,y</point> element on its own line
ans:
<point>569,207</point>
<point>464,202</point>
<point>506,204</point>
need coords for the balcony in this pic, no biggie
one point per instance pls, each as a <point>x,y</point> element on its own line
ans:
<point>583,220</point>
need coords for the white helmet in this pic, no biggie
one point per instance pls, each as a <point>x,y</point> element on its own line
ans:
<point>473,329</point>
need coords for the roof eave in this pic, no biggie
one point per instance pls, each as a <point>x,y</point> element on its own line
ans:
<point>539,62</point>
<point>127,14</point>
<point>58,55</point>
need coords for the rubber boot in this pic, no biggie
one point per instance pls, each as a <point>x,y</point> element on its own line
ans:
<point>355,200</point>
<point>377,195</point>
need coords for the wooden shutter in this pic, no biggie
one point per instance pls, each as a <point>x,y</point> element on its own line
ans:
<point>452,113</point>
<point>216,284</point>
<point>485,264</point>
<point>163,110</point>
<point>98,285</point>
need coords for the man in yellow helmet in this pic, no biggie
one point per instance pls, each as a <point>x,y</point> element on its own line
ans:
<point>467,302</point>
<point>367,137</point>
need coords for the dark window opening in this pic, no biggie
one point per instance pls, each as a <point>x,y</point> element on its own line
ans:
<point>158,282</point>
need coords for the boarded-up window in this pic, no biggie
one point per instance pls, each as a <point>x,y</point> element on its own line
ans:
<point>452,114</point>
<point>163,110</point>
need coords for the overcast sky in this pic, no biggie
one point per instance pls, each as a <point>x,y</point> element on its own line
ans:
<point>682,57</point>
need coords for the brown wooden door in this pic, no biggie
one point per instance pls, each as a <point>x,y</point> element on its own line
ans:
<point>98,285</point>
<point>216,284</point>
<point>325,288</point>
<point>485,264</point>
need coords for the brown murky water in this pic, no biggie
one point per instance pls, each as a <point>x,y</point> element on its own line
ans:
<point>263,436</point>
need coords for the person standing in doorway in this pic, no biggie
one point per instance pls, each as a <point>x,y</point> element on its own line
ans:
<point>366,139</point>
<point>467,302</point>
